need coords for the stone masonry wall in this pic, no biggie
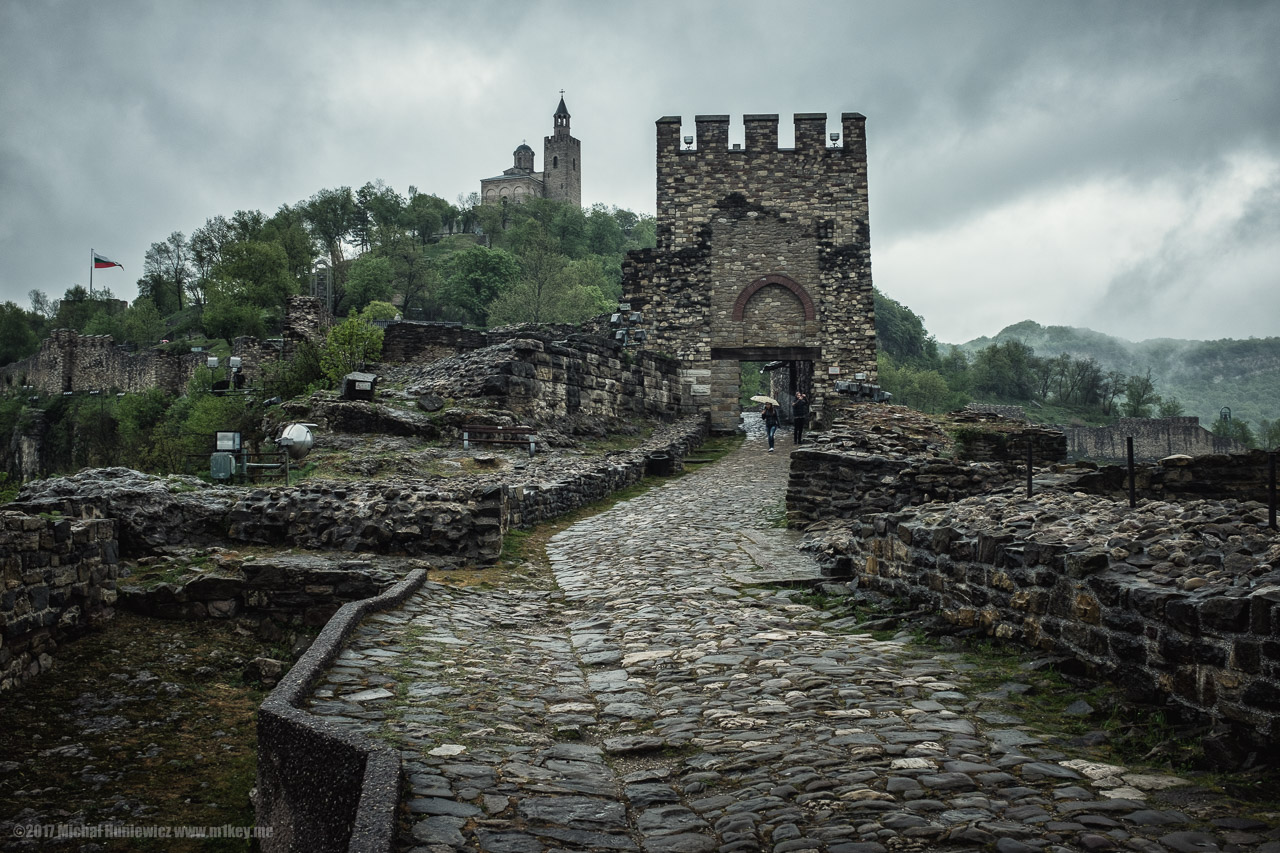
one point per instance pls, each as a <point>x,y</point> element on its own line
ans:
<point>454,522</point>
<point>835,484</point>
<point>1153,438</point>
<point>69,361</point>
<point>413,341</point>
<point>1171,601</point>
<point>1236,476</point>
<point>886,458</point>
<point>763,254</point>
<point>56,577</point>
<point>545,377</point>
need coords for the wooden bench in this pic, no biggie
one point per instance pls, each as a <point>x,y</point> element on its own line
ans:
<point>522,435</point>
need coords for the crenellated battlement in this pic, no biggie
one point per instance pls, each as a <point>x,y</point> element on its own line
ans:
<point>761,133</point>
<point>820,185</point>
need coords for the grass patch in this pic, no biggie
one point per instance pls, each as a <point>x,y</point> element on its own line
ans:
<point>142,722</point>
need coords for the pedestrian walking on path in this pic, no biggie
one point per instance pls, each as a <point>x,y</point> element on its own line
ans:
<point>800,415</point>
<point>770,418</point>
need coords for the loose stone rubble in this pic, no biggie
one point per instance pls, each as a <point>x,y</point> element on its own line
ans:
<point>669,695</point>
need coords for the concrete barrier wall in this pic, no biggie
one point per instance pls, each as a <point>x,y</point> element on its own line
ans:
<point>320,787</point>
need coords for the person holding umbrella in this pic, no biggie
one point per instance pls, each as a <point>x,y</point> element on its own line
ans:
<point>769,416</point>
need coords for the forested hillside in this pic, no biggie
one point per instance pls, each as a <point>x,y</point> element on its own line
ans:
<point>1243,375</point>
<point>422,256</point>
<point>1064,375</point>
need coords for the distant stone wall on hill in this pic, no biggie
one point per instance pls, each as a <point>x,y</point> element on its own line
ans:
<point>68,361</point>
<point>1153,438</point>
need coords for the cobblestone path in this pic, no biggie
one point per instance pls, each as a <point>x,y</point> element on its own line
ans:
<point>663,697</point>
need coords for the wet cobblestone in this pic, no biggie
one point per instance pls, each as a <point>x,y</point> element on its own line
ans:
<point>671,695</point>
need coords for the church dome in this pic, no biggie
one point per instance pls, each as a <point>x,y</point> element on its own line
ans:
<point>523,148</point>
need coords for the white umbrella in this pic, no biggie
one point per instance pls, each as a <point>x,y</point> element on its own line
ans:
<point>760,398</point>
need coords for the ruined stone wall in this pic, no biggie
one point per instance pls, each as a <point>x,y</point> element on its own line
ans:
<point>763,254</point>
<point>290,589</point>
<point>827,484</point>
<point>546,374</point>
<point>1153,438</point>
<point>986,445</point>
<point>1172,601</point>
<point>69,361</point>
<point>452,522</point>
<point>1235,476</point>
<point>414,341</point>
<point>888,457</point>
<point>584,375</point>
<point>58,576</point>
<point>1016,413</point>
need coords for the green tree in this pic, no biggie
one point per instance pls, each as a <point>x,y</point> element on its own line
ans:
<point>1140,396</point>
<point>330,214</point>
<point>1235,429</point>
<point>1005,371</point>
<point>553,289</point>
<point>370,278</point>
<point>900,332</point>
<point>1269,434</point>
<point>288,228</point>
<point>349,346</point>
<point>166,269</point>
<point>256,272</point>
<point>1170,407</point>
<point>475,277</point>
<point>18,338</point>
<point>228,315</point>
<point>379,311</point>
<point>427,215</point>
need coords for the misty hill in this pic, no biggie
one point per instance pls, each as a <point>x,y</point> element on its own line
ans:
<point>1204,375</point>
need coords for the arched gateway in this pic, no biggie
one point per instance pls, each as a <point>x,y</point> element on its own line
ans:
<point>763,254</point>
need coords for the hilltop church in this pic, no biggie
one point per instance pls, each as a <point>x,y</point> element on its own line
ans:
<point>560,178</point>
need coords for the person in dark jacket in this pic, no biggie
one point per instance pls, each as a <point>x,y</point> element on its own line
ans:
<point>800,413</point>
<point>770,418</point>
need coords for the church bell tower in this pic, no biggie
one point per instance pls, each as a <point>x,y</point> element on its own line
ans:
<point>561,160</point>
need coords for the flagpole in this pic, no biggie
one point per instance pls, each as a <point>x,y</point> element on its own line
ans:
<point>91,271</point>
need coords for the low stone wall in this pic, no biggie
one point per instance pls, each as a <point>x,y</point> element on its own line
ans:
<point>1238,476</point>
<point>322,787</point>
<point>150,511</point>
<point>291,590</point>
<point>1172,601</point>
<point>1016,413</point>
<point>838,484</point>
<point>416,341</point>
<point>981,442</point>
<point>58,576</point>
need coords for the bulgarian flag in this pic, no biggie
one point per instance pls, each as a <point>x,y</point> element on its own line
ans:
<point>101,263</point>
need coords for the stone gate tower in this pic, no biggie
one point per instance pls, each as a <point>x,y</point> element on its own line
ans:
<point>764,254</point>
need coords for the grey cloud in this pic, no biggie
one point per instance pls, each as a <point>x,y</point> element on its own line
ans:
<point>135,119</point>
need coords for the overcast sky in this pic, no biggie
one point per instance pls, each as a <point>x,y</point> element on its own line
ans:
<point>1109,164</point>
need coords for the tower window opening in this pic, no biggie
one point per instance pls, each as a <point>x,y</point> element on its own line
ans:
<point>555,162</point>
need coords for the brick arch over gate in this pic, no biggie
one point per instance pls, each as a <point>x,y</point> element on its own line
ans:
<point>750,290</point>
